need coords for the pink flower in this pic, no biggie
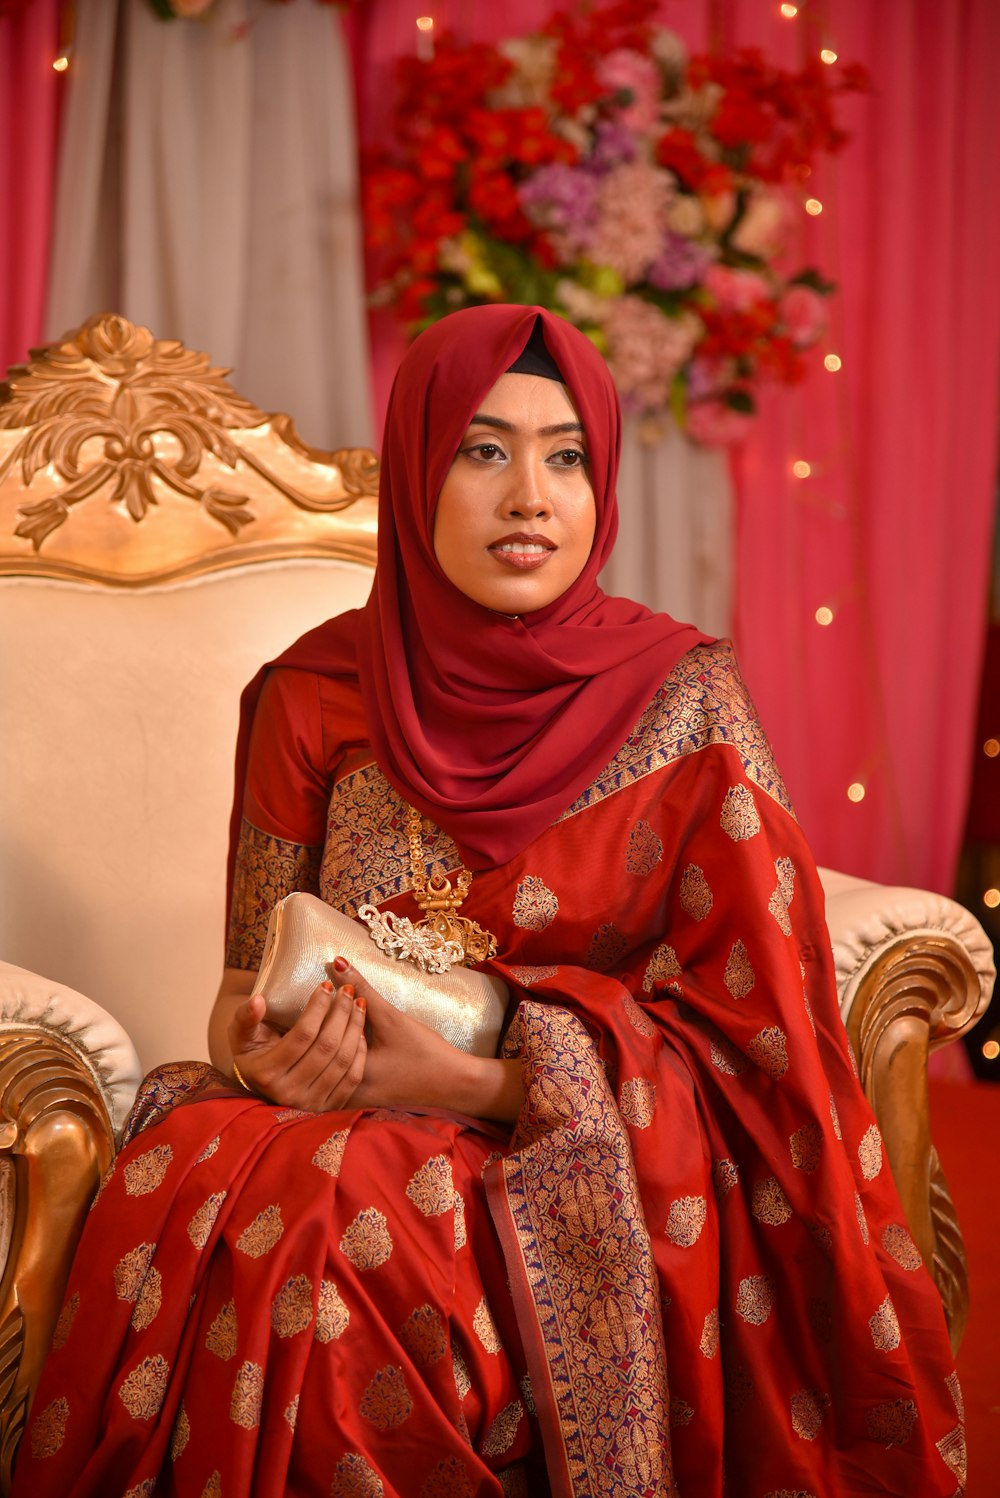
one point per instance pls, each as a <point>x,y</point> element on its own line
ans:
<point>763,225</point>
<point>736,290</point>
<point>646,349</point>
<point>632,203</point>
<point>715,424</point>
<point>803,313</point>
<point>624,70</point>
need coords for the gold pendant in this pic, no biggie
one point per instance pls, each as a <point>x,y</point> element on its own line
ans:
<point>439,899</point>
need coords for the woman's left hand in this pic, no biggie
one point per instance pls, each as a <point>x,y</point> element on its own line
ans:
<point>410,1065</point>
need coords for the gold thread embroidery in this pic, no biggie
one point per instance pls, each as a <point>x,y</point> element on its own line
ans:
<point>891,1424</point>
<point>145,1173</point>
<point>884,1327</point>
<point>615,1325</point>
<point>681,1413</point>
<point>500,1436</point>
<point>143,1391</point>
<point>806,1146</point>
<point>709,1344</point>
<point>65,1323</point>
<point>221,1336</point>
<point>463,1383</point>
<point>953,1454</point>
<point>260,1236</point>
<point>662,965</point>
<point>739,818</point>
<point>48,1429</point>
<point>726,1057</point>
<point>514,1482</point>
<point>769,1203</point>
<point>643,851</point>
<point>213,1487</point>
<point>637,1102</point>
<point>149,1300</point>
<point>526,976</point>
<point>900,1246</point>
<point>431,1189</point>
<point>870,1153</point>
<point>527,1394</point>
<point>332,1315</point>
<point>586,1204</point>
<point>423,1336</point>
<point>330,1154</point>
<point>639,1452</point>
<point>755,1299</point>
<point>460,1233</point>
<point>862,1219</point>
<point>367,1242</point>
<point>292,1306</point>
<point>144,1489</point>
<point>248,1396</point>
<point>637,1017</point>
<point>291,1412</point>
<point>954,1388</point>
<point>808,1409</point>
<point>448,1479</point>
<point>695,894</point>
<point>181,1434</point>
<point>353,1478</point>
<point>607,945</point>
<point>267,869</point>
<point>739,976</point>
<point>782,895</point>
<point>685,1220</point>
<point>386,1401</point>
<point>201,1225</point>
<point>209,1150</point>
<point>535,905</point>
<point>835,1118</point>
<point>485,1327</point>
<point>769,1051</point>
<point>724,1177</point>
<point>131,1270</point>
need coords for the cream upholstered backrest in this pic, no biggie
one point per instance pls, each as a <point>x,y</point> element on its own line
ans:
<point>159,539</point>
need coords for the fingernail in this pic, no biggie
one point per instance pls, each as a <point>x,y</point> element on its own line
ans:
<point>348,988</point>
<point>341,964</point>
<point>327,985</point>
<point>359,1001</point>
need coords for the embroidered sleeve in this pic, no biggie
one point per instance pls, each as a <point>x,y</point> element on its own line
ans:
<point>267,869</point>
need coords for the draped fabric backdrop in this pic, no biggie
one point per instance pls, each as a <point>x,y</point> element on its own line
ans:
<point>208,188</point>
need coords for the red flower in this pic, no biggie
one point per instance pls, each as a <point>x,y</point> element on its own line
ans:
<point>678,150</point>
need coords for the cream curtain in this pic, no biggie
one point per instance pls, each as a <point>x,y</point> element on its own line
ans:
<point>208,188</point>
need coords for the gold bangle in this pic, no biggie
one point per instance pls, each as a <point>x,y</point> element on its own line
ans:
<point>241,1079</point>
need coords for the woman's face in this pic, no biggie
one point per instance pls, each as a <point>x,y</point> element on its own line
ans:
<point>515,518</point>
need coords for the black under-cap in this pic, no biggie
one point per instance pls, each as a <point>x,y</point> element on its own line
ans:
<point>535,359</point>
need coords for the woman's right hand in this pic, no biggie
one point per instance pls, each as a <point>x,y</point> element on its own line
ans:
<point>317,1064</point>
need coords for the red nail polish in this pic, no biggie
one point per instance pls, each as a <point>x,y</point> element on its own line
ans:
<point>348,988</point>
<point>341,964</point>
<point>327,985</point>
<point>359,1001</point>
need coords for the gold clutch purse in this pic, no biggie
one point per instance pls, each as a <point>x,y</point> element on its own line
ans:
<point>304,935</point>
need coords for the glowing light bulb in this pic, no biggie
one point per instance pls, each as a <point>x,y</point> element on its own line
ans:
<point>856,791</point>
<point>824,615</point>
<point>425,23</point>
<point>991,1049</point>
<point>833,362</point>
<point>828,55</point>
<point>991,748</point>
<point>789,11</point>
<point>425,38</point>
<point>801,469</point>
<point>814,207</point>
<point>991,897</point>
<point>61,63</point>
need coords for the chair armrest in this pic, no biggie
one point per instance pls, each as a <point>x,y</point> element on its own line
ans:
<point>914,972</point>
<point>68,1073</point>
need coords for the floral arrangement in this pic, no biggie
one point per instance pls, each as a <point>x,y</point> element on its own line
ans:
<point>189,9</point>
<point>594,169</point>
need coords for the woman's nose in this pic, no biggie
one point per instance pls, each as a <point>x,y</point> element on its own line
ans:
<point>527,490</point>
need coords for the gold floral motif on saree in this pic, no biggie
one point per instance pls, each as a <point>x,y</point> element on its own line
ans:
<point>769,1204</point>
<point>755,1299</point>
<point>332,1315</point>
<point>528,975</point>
<point>528,1394</point>
<point>781,898</point>
<point>770,1051</point>
<point>662,966</point>
<point>48,1429</point>
<point>739,976</point>
<point>459,1368</point>
<point>884,1327</point>
<point>353,1478</point>
<point>900,1246</point>
<point>367,1242</point>
<point>835,1118</point>
<point>587,1205</point>
<point>144,1489</point>
<point>213,1487</point>
<point>637,1102</point>
<point>448,1479</point>
<point>607,945</point>
<point>681,1413</point>
<point>485,1327</point>
<point>724,1177</point>
<point>181,1434</point>
<point>386,1402</point>
<point>292,1306</point>
<point>615,1326</point>
<point>870,1153</point>
<point>739,818</point>
<point>502,1433</point>
<point>209,1150</point>
<point>709,1344</point>
<point>461,1236</point>
<point>725,1056</point>
<point>149,1300</point>
<point>891,1424</point>
<point>330,1154</point>
<point>789,1493</point>
<point>145,1173</point>
<point>261,1235</point>
<point>431,1189</point>
<point>291,1412</point>
<point>643,851</point>
<point>703,702</point>
<point>695,894</point>
<point>685,1220</point>
<point>200,1227</point>
<point>862,1219</point>
<point>637,1016</point>
<point>423,1336</point>
<point>247,1396</point>
<point>142,1391</point>
<point>808,1409</point>
<point>267,869</point>
<point>806,1146</point>
<point>130,1272</point>
<point>954,1388</point>
<point>65,1323</point>
<point>222,1334</point>
<point>535,905</point>
<point>514,1482</point>
<point>954,1455</point>
<point>368,820</point>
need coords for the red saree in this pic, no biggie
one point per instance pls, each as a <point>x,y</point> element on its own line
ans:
<point>686,1270</point>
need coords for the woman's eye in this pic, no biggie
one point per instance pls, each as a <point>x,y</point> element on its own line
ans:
<point>570,457</point>
<point>488,451</point>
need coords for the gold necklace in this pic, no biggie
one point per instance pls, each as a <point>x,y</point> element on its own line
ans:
<point>439,900</point>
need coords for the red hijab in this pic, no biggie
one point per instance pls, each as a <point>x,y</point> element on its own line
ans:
<point>491,726</point>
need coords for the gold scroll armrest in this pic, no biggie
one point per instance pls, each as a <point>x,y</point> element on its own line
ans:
<point>67,1075</point>
<point>914,972</point>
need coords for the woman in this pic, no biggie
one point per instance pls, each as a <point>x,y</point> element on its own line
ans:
<point>652,1247</point>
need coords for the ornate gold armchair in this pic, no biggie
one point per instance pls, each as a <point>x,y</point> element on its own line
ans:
<point>159,538</point>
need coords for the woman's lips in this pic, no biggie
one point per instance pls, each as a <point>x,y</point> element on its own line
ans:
<point>523,553</point>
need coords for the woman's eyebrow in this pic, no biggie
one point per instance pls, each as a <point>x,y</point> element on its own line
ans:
<point>481,419</point>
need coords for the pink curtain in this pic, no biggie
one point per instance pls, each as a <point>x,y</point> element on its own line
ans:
<point>29,108</point>
<point>891,529</point>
